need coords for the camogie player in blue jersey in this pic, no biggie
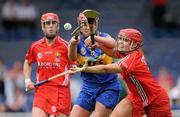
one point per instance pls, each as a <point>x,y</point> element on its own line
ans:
<point>99,92</point>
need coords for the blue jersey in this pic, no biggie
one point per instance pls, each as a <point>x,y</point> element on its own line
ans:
<point>95,57</point>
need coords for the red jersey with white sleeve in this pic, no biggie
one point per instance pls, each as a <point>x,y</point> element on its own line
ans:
<point>51,60</point>
<point>143,88</point>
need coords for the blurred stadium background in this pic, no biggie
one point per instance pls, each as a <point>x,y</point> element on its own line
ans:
<point>158,20</point>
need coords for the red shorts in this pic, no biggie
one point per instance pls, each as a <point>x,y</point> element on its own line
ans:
<point>159,107</point>
<point>53,99</point>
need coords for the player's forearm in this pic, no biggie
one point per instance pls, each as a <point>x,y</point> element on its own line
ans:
<point>101,69</point>
<point>72,52</point>
<point>108,42</point>
<point>27,69</point>
<point>109,52</point>
<point>95,69</point>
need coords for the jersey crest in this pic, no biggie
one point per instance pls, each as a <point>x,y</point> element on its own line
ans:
<point>83,51</point>
<point>39,55</point>
<point>57,54</point>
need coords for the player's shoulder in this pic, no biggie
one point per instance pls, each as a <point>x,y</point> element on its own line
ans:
<point>136,54</point>
<point>62,41</point>
<point>103,34</point>
<point>38,42</point>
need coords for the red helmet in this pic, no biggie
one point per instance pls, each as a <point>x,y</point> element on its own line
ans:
<point>49,16</point>
<point>132,34</point>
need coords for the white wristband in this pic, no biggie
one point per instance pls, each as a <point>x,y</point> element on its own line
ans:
<point>27,80</point>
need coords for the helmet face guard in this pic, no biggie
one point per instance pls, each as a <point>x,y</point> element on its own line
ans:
<point>130,34</point>
<point>49,19</point>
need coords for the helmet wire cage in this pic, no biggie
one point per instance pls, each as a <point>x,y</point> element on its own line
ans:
<point>118,37</point>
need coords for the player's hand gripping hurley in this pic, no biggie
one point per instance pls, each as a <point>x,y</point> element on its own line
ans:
<point>54,77</point>
<point>80,69</point>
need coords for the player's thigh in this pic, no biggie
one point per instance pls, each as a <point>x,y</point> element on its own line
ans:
<point>37,112</point>
<point>108,98</point>
<point>78,111</point>
<point>101,110</point>
<point>86,100</point>
<point>123,109</point>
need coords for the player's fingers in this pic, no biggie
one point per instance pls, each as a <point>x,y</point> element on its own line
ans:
<point>32,86</point>
<point>94,46</point>
<point>88,42</point>
<point>77,38</point>
<point>26,89</point>
<point>74,41</point>
<point>29,87</point>
<point>85,66</point>
<point>73,69</point>
<point>73,66</point>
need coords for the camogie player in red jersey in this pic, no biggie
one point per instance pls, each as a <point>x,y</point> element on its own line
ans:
<point>145,96</point>
<point>51,55</point>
